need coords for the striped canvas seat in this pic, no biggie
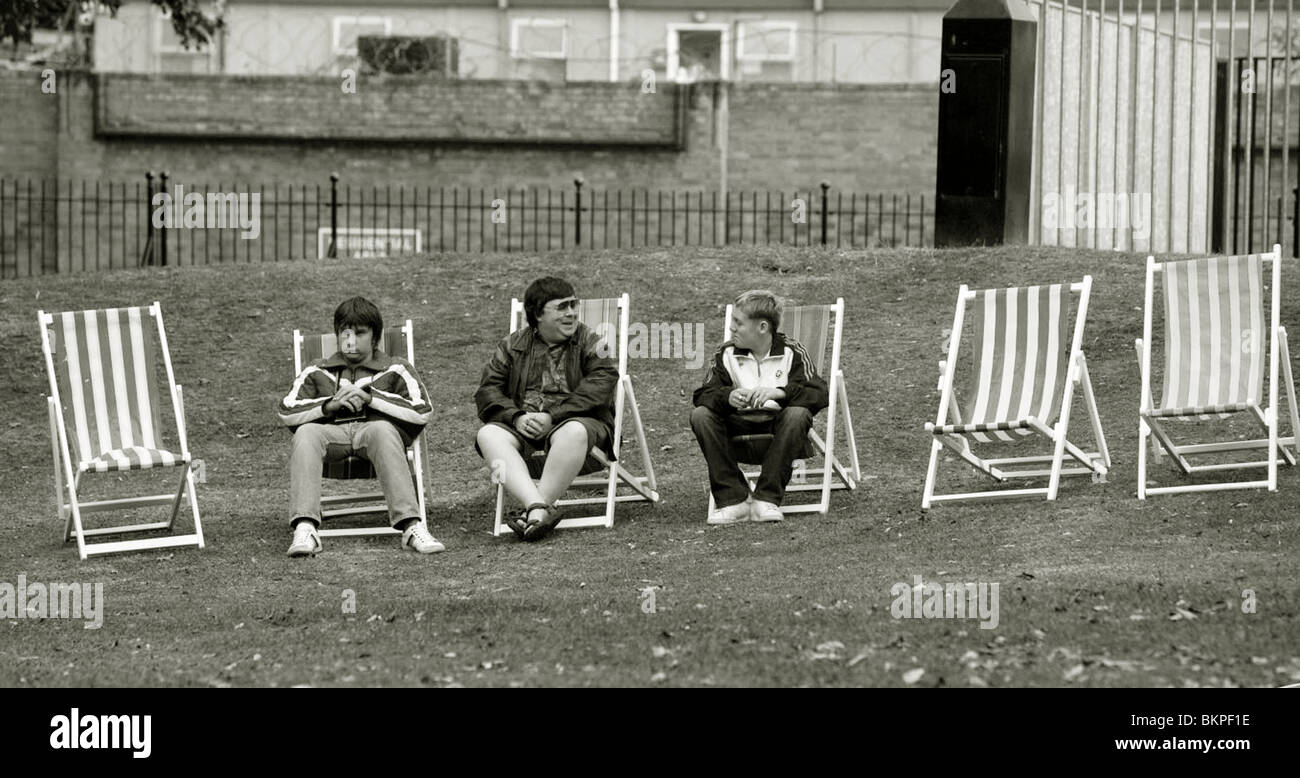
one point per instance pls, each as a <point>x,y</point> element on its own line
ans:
<point>1026,365</point>
<point>1217,345</point>
<point>1022,342</point>
<point>109,389</point>
<point>106,405</point>
<point>133,458</point>
<point>1214,328</point>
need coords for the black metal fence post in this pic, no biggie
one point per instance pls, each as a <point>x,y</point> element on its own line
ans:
<point>1295,223</point>
<point>146,256</point>
<point>577,211</point>
<point>334,216</point>
<point>825,188</point>
<point>175,209</point>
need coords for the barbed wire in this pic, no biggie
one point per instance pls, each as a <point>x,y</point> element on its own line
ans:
<point>267,46</point>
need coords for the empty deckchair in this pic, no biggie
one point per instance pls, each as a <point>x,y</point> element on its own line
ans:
<point>609,319</point>
<point>1214,349</point>
<point>106,415</point>
<point>397,341</point>
<point>1022,382</point>
<point>814,328</point>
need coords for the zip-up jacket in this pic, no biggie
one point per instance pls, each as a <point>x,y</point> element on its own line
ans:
<point>786,367</point>
<point>395,390</point>
<point>589,370</point>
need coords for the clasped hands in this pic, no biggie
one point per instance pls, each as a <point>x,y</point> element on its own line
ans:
<point>753,399</point>
<point>349,396</point>
<point>534,425</point>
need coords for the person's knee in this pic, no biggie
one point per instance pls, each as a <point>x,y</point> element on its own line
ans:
<point>570,436</point>
<point>796,416</point>
<point>309,437</point>
<point>490,434</point>
<point>379,434</point>
<point>702,417</point>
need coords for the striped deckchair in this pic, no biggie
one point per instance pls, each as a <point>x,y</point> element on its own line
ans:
<point>609,319</point>
<point>397,341</point>
<point>813,328</point>
<point>1023,374</point>
<point>1214,338</point>
<point>106,415</point>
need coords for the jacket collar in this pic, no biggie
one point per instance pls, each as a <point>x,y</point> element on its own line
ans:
<point>378,361</point>
<point>777,349</point>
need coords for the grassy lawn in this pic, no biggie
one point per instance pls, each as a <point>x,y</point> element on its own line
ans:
<point>1096,589</point>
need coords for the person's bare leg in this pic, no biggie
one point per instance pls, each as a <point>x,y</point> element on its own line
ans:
<point>501,452</point>
<point>563,461</point>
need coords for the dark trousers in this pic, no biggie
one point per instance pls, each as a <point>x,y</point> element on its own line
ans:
<point>789,430</point>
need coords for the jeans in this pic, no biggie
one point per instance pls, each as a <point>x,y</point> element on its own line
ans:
<point>378,441</point>
<point>789,430</point>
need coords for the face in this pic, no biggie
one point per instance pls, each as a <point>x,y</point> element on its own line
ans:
<point>357,343</point>
<point>558,319</point>
<point>746,332</point>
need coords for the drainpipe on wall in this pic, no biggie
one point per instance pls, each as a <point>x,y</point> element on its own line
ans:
<point>503,39</point>
<point>722,131</point>
<point>818,8</point>
<point>613,40</point>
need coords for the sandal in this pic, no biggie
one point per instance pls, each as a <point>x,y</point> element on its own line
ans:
<point>540,529</point>
<point>520,523</point>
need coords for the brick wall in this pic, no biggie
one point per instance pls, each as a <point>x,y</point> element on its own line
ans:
<point>498,135</point>
<point>468,133</point>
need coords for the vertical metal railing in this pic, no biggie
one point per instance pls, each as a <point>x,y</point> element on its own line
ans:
<point>69,226</point>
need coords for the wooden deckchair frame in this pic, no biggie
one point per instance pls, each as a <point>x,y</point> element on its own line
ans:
<point>1096,463</point>
<point>612,475</point>
<point>832,475</point>
<point>68,471</point>
<point>368,502</point>
<point>1150,417</point>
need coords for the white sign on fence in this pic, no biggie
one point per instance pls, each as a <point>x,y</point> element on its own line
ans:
<point>369,242</point>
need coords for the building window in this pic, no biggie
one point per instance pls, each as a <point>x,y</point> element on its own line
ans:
<point>348,28</point>
<point>765,50</point>
<point>539,38</point>
<point>539,49</point>
<point>173,57</point>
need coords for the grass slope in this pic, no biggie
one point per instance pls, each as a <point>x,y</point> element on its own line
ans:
<point>1096,589</point>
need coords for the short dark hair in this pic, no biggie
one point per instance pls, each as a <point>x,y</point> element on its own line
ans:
<point>542,291</point>
<point>356,312</point>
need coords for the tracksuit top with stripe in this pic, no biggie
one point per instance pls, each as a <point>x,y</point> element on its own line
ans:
<point>786,367</point>
<point>395,390</point>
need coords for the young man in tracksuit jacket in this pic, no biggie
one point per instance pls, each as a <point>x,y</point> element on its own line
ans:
<point>358,401</point>
<point>760,383</point>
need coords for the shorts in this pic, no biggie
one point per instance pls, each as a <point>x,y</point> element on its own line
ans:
<point>597,437</point>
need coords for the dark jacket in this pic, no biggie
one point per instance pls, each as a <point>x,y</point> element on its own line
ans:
<point>590,370</point>
<point>788,367</point>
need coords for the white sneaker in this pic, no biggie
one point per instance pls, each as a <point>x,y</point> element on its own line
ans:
<point>417,538</point>
<point>306,540</point>
<point>732,514</point>
<point>766,511</point>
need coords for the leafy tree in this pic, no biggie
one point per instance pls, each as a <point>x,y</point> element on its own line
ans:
<point>19,17</point>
